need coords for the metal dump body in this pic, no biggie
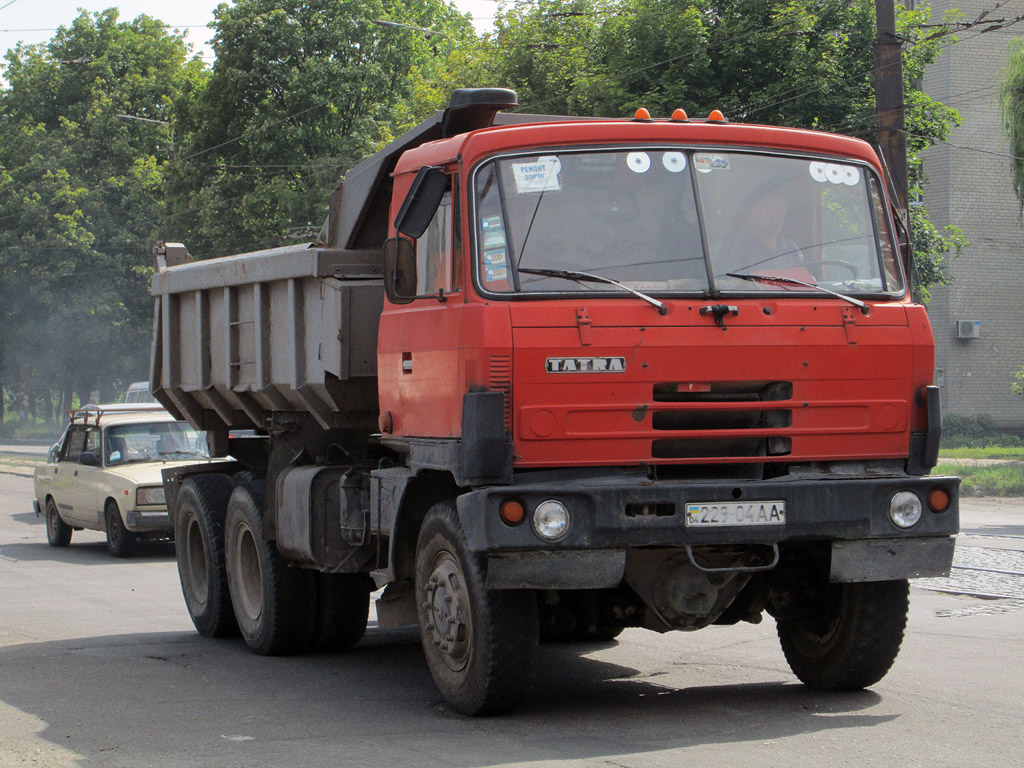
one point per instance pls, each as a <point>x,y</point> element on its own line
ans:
<point>239,338</point>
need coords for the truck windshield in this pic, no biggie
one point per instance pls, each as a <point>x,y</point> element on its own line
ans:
<point>667,221</point>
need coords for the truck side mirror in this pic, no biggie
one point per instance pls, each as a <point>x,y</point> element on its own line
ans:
<point>399,270</point>
<point>421,203</point>
<point>89,459</point>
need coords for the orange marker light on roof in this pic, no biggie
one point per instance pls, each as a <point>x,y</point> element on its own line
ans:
<point>716,116</point>
<point>679,115</point>
<point>641,114</point>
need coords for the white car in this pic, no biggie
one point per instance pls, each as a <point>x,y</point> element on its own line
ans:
<point>105,474</point>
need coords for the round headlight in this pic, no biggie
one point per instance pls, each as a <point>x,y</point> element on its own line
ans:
<point>905,509</point>
<point>551,520</point>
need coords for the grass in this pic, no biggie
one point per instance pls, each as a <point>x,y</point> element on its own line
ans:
<point>991,480</point>
<point>990,452</point>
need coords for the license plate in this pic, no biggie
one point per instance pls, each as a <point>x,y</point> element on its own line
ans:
<point>710,514</point>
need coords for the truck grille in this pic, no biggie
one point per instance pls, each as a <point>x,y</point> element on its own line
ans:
<point>716,407</point>
<point>500,380</point>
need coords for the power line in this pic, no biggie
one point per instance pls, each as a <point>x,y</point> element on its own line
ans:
<point>12,2</point>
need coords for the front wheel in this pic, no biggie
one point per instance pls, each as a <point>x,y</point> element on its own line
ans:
<point>851,638</point>
<point>120,541</point>
<point>480,645</point>
<point>58,533</point>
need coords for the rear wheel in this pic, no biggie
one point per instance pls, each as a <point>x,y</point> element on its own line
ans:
<point>120,541</point>
<point>480,645</point>
<point>199,545</point>
<point>58,533</point>
<point>851,637</point>
<point>274,604</point>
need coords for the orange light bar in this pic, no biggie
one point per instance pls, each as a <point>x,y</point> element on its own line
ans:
<point>680,115</point>
<point>641,114</point>
<point>511,512</point>
<point>716,116</point>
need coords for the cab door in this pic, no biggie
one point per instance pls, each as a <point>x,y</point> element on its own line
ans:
<point>418,346</point>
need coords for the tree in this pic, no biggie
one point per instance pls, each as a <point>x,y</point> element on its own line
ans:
<point>301,91</point>
<point>80,200</point>
<point>1013,115</point>
<point>803,63</point>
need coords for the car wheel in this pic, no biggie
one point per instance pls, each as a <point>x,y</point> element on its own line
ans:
<point>58,533</point>
<point>480,644</point>
<point>120,541</point>
<point>273,603</point>
<point>199,546</point>
<point>850,637</point>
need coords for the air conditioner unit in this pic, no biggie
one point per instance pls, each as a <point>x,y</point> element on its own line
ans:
<point>968,329</point>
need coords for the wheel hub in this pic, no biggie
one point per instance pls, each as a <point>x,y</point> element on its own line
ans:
<point>447,608</point>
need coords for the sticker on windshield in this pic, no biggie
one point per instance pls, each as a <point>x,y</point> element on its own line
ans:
<point>706,163</point>
<point>495,265</point>
<point>494,232</point>
<point>540,175</point>
<point>674,162</point>
<point>638,162</point>
<point>835,173</point>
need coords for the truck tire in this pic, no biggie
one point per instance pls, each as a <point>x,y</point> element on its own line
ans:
<point>120,541</point>
<point>274,604</point>
<point>58,533</point>
<point>342,608</point>
<point>853,637</point>
<point>481,645</point>
<point>199,545</point>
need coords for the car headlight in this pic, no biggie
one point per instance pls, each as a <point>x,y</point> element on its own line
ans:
<point>551,520</point>
<point>905,509</point>
<point>150,495</point>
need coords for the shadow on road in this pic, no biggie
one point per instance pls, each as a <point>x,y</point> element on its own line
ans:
<point>87,553</point>
<point>218,704</point>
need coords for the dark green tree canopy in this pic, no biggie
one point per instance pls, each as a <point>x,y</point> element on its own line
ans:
<point>300,92</point>
<point>80,199</point>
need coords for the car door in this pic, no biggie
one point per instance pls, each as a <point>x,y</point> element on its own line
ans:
<point>64,472</point>
<point>87,489</point>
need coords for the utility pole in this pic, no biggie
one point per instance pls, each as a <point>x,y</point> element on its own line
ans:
<point>889,102</point>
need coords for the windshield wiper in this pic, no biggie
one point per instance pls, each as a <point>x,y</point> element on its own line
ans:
<point>569,274</point>
<point>864,308</point>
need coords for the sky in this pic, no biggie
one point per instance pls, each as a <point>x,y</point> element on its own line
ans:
<point>35,21</point>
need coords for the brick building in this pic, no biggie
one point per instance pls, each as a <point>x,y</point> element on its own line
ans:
<point>978,321</point>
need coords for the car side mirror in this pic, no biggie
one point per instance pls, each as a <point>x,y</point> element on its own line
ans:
<point>421,203</point>
<point>89,459</point>
<point>399,270</point>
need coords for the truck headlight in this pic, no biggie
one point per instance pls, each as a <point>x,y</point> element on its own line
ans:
<point>551,520</point>
<point>150,495</point>
<point>905,509</point>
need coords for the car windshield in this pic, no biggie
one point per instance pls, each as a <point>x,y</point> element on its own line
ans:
<point>153,441</point>
<point>664,220</point>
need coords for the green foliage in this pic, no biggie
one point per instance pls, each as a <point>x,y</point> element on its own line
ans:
<point>300,92</point>
<point>1013,115</point>
<point>1004,479</point>
<point>80,200</point>
<point>975,431</point>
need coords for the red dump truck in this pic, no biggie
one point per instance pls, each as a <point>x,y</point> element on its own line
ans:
<point>545,377</point>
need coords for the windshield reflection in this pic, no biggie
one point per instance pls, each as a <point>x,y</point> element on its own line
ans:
<point>660,220</point>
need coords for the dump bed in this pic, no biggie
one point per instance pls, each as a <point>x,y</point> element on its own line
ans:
<point>289,329</point>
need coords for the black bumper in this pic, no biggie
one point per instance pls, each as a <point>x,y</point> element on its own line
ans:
<point>617,512</point>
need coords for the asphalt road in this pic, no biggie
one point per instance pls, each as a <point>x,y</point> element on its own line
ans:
<point>100,666</point>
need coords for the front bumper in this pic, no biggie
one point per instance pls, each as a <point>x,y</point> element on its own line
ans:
<point>147,521</point>
<point>607,515</point>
